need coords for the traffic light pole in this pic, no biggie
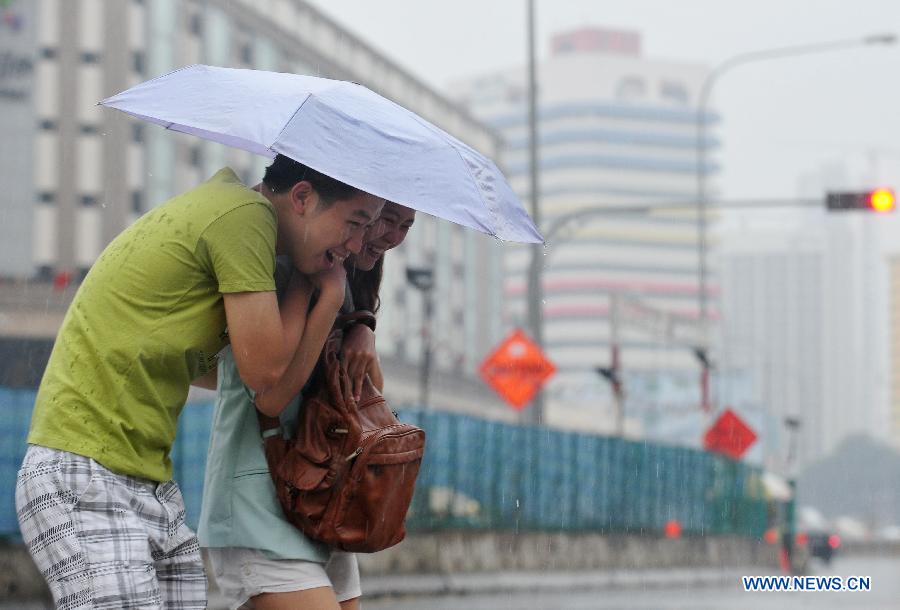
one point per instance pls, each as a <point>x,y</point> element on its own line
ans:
<point>576,218</point>
<point>701,121</point>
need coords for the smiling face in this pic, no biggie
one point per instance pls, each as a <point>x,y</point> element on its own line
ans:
<point>317,235</point>
<point>388,232</point>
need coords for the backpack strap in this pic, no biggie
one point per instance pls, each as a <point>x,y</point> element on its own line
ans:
<point>268,426</point>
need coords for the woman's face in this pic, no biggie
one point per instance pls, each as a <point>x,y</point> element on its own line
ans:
<point>388,232</point>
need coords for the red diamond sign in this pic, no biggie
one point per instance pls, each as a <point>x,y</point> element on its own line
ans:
<point>517,369</point>
<point>729,435</point>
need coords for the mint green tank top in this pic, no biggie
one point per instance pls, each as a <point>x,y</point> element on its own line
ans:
<point>240,508</point>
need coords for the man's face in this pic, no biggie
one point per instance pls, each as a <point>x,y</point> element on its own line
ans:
<point>326,235</point>
<point>388,232</point>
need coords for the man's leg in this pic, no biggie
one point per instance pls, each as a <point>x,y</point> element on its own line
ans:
<point>176,553</point>
<point>77,521</point>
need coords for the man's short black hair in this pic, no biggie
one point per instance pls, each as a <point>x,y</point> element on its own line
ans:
<point>284,173</point>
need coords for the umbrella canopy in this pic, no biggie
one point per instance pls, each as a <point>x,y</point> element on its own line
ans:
<point>341,129</point>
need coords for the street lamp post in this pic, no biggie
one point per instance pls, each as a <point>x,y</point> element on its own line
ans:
<point>793,426</point>
<point>535,298</point>
<point>423,280</point>
<point>702,102</point>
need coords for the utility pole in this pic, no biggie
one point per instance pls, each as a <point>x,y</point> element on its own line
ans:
<point>535,413</point>
<point>423,280</point>
<point>613,373</point>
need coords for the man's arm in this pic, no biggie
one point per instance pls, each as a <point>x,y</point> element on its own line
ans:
<point>261,347</point>
<point>312,338</point>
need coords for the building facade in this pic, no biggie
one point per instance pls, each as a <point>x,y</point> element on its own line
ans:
<point>805,302</point>
<point>616,130</point>
<point>774,312</point>
<point>894,316</point>
<point>80,173</point>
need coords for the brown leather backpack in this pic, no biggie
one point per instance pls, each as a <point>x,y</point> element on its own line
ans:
<point>346,478</point>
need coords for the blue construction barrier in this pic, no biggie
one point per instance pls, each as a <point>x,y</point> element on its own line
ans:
<point>484,475</point>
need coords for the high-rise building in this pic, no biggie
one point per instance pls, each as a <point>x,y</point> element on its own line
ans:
<point>77,174</point>
<point>616,130</point>
<point>774,312</point>
<point>804,305</point>
<point>894,370</point>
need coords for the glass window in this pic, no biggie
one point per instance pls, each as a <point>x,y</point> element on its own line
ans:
<point>631,88</point>
<point>44,273</point>
<point>674,92</point>
<point>247,54</point>
<point>137,202</point>
<point>195,24</point>
<point>138,63</point>
<point>196,156</point>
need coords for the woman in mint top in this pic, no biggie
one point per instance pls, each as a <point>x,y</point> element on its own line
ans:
<point>260,560</point>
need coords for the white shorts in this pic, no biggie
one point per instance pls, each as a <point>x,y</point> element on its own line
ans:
<point>245,573</point>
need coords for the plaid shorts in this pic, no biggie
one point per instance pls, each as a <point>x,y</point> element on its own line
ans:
<point>103,540</point>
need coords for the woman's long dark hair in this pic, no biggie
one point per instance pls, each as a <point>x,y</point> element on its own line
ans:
<point>364,285</point>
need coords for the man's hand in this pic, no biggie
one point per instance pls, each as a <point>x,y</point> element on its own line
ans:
<point>331,283</point>
<point>358,356</point>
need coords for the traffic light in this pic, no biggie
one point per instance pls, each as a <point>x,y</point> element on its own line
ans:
<point>879,200</point>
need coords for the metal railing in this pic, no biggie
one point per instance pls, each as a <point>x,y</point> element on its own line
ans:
<point>484,475</point>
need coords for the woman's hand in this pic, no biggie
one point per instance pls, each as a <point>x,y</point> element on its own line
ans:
<point>358,355</point>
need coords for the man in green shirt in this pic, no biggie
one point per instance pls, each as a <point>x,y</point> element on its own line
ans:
<point>95,502</point>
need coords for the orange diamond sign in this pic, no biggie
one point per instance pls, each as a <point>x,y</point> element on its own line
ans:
<point>729,435</point>
<point>517,369</point>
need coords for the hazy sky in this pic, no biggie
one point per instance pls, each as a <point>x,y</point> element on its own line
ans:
<point>781,119</point>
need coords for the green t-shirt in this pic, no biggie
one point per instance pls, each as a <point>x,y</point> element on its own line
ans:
<point>147,320</point>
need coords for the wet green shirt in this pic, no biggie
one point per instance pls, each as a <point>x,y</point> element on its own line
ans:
<point>147,320</point>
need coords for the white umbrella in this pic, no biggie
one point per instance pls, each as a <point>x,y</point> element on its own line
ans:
<point>340,129</point>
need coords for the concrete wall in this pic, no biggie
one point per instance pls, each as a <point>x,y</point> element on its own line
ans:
<point>463,552</point>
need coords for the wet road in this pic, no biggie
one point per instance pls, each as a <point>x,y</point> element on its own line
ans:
<point>884,595</point>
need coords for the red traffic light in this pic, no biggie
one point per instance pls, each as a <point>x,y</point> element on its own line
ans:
<point>882,200</point>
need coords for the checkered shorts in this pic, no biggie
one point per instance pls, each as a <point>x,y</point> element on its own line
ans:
<point>104,540</point>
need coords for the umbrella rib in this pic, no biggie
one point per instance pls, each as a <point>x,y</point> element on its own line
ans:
<point>288,122</point>
<point>480,195</point>
<point>432,127</point>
